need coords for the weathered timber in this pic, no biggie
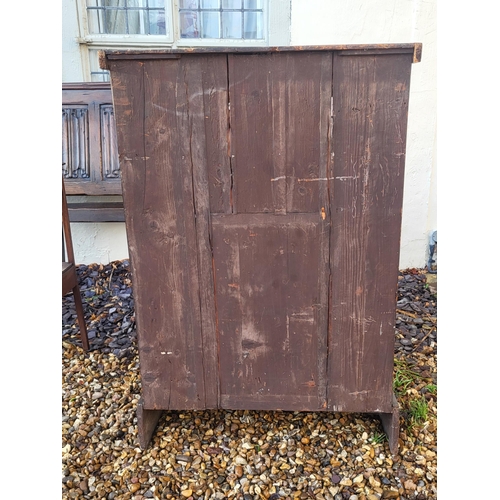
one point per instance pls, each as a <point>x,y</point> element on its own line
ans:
<point>110,55</point>
<point>263,193</point>
<point>146,423</point>
<point>390,423</point>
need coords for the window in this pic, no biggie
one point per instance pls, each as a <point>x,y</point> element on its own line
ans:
<point>208,19</point>
<point>157,24</point>
<point>242,19</point>
<point>126,17</point>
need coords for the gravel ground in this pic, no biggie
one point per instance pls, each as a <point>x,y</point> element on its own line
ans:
<point>237,454</point>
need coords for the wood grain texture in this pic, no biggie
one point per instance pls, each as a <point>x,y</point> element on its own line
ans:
<point>370,102</point>
<point>390,423</point>
<point>165,196</point>
<point>251,133</point>
<point>216,115</point>
<point>146,423</point>
<point>276,130</point>
<point>268,310</point>
<point>206,95</point>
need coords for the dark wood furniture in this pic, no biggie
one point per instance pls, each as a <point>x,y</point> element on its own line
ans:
<point>263,192</point>
<point>89,152</point>
<point>69,275</point>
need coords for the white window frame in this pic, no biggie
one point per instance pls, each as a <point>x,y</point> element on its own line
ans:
<point>173,40</point>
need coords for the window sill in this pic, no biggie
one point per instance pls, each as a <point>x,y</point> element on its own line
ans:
<point>219,42</point>
<point>146,41</point>
<point>106,41</point>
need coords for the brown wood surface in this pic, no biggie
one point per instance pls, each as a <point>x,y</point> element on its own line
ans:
<point>370,104</point>
<point>276,130</point>
<point>263,194</point>
<point>268,298</point>
<point>216,132</point>
<point>110,211</point>
<point>69,277</point>
<point>165,193</point>
<point>146,423</point>
<point>390,423</point>
<point>407,48</point>
<point>206,94</point>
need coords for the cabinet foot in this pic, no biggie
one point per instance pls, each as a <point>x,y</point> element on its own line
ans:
<point>146,423</point>
<point>390,423</point>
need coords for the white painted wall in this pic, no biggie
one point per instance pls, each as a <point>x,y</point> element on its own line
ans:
<point>322,22</point>
<point>72,66</point>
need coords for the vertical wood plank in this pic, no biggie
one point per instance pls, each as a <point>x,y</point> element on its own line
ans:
<point>174,374</point>
<point>166,196</point>
<point>370,115</point>
<point>216,115</point>
<point>278,79</point>
<point>251,122</point>
<point>308,88</point>
<point>207,89</point>
<point>276,130</point>
<point>324,220</point>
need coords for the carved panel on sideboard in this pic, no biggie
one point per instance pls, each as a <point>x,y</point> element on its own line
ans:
<point>109,148</point>
<point>75,143</point>
<point>89,149</point>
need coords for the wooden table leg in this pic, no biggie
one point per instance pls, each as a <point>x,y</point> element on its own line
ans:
<point>146,423</point>
<point>390,423</point>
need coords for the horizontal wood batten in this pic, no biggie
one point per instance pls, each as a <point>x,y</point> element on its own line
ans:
<point>96,212</point>
<point>86,86</point>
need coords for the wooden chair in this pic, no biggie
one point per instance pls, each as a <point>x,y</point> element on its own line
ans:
<point>69,276</point>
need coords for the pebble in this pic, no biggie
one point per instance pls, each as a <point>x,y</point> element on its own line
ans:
<point>390,494</point>
<point>84,485</point>
<point>410,485</point>
<point>134,487</point>
<point>229,454</point>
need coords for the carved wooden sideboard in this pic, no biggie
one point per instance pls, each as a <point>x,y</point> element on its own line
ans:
<point>263,193</point>
<point>90,164</point>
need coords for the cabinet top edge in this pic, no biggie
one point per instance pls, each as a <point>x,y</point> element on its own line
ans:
<point>350,49</point>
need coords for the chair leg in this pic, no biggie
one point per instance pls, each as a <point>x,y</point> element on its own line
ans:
<point>81,318</point>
